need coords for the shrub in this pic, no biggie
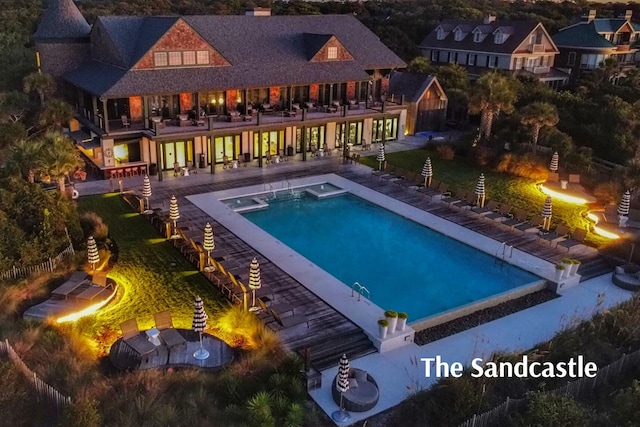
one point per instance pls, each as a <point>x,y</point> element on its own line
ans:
<point>403,315</point>
<point>446,152</point>
<point>482,155</point>
<point>607,192</point>
<point>547,409</point>
<point>383,322</point>
<point>92,225</point>
<point>522,165</point>
<point>390,313</point>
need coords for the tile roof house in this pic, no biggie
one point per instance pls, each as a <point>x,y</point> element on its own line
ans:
<point>180,91</point>
<point>586,44</point>
<point>425,99</point>
<point>522,47</point>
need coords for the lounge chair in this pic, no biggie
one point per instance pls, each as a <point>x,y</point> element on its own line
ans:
<point>469,201</point>
<point>279,308</point>
<point>131,336</point>
<point>99,278</point>
<point>490,207</point>
<point>501,214</point>
<point>456,198</point>
<point>283,158</point>
<point>389,169</point>
<point>168,334</point>
<point>398,173</point>
<point>553,177</point>
<point>530,226</point>
<point>289,321</point>
<point>382,171</point>
<point>577,238</point>
<point>560,233</point>
<point>520,217</point>
<point>410,180</point>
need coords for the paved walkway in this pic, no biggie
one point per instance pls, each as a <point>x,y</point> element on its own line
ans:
<point>399,373</point>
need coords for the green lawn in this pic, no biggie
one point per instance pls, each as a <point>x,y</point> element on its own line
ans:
<point>152,273</point>
<point>519,192</point>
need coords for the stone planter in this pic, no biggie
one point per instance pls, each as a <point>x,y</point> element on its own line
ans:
<point>392,318</point>
<point>383,331</point>
<point>568,265</point>
<point>559,273</point>
<point>574,267</point>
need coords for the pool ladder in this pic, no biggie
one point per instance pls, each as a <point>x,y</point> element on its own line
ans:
<point>503,252</point>
<point>271,189</point>
<point>289,188</point>
<point>359,289</point>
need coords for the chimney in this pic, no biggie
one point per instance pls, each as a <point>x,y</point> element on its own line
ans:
<point>628,14</point>
<point>258,11</point>
<point>590,17</point>
<point>489,19</point>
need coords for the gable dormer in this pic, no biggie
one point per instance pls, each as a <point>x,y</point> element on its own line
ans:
<point>500,36</point>
<point>458,34</point>
<point>180,47</point>
<point>325,48</point>
<point>440,33</point>
<point>478,36</point>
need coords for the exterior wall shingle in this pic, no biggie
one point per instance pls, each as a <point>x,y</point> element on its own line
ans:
<point>343,54</point>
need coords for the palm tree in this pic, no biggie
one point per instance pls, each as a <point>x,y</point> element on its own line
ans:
<point>537,115</point>
<point>26,158</point>
<point>41,83</point>
<point>55,113</point>
<point>61,157</point>
<point>492,94</point>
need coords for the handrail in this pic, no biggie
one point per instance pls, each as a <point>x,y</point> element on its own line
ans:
<point>360,291</point>
<point>273,191</point>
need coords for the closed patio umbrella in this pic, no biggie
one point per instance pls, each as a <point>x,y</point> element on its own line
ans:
<point>92,253</point>
<point>380,156</point>
<point>546,214</point>
<point>254,281</point>
<point>208,245</point>
<point>199,325</point>
<point>342,385</point>
<point>427,172</point>
<point>623,208</point>
<point>480,191</point>
<point>174,216</point>
<point>146,193</point>
<point>553,167</point>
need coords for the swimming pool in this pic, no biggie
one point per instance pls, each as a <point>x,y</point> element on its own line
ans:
<point>406,266</point>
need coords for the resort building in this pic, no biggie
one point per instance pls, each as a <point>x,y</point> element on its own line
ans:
<point>425,99</point>
<point>524,48</point>
<point>586,44</point>
<point>195,91</point>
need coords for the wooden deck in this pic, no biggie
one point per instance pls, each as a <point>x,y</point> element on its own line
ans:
<point>330,333</point>
<point>220,354</point>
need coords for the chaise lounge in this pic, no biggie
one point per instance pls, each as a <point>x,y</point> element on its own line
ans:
<point>363,391</point>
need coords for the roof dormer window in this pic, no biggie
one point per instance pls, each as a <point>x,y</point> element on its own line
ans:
<point>498,38</point>
<point>477,36</point>
<point>332,52</point>
<point>440,33</point>
<point>457,35</point>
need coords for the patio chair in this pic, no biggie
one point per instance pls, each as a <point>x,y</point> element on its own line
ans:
<point>168,334</point>
<point>191,167</point>
<point>279,308</point>
<point>520,217</point>
<point>226,164</point>
<point>577,238</point>
<point>532,225</point>
<point>574,181</point>
<point>560,233</point>
<point>282,156</point>
<point>125,121</point>
<point>176,169</point>
<point>490,207</point>
<point>501,214</point>
<point>131,336</point>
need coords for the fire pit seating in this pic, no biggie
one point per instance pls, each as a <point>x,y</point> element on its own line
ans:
<point>627,277</point>
<point>362,394</point>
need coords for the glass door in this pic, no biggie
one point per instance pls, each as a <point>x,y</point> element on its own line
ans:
<point>169,155</point>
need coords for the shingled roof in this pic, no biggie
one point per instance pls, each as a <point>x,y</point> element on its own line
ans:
<point>517,31</point>
<point>411,85</point>
<point>262,50</point>
<point>62,20</point>
<point>581,35</point>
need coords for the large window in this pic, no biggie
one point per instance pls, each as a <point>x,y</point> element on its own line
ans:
<point>350,135</point>
<point>228,146</point>
<point>272,142</point>
<point>180,58</point>
<point>571,60</point>
<point>385,129</point>
<point>314,135</point>
<point>176,153</point>
<point>332,52</point>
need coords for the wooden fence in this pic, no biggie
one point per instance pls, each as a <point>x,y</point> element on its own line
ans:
<point>44,392</point>
<point>573,389</point>
<point>47,266</point>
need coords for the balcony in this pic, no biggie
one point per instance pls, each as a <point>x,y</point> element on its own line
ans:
<point>536,48</point>
<point>623,47</point>
<point>538,70</point>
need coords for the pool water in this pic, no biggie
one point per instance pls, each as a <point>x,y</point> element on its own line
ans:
<point>406,266</point>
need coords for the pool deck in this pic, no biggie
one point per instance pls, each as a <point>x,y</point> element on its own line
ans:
<point>393,370</point>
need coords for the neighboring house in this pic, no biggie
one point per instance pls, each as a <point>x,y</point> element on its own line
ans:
<point>425,99</point>
<point>201,90</point>
<point>585,45</point>
<point>523,48</point>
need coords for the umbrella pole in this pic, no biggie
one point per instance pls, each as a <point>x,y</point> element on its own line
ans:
<point>429,180</point>
<point>253,303</point>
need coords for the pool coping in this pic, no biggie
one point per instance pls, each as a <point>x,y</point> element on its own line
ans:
<point>323,284</point>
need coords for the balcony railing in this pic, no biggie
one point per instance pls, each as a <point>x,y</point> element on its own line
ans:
<point>623,47</point>
<point>538,70</point>
<point>536,48</point>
